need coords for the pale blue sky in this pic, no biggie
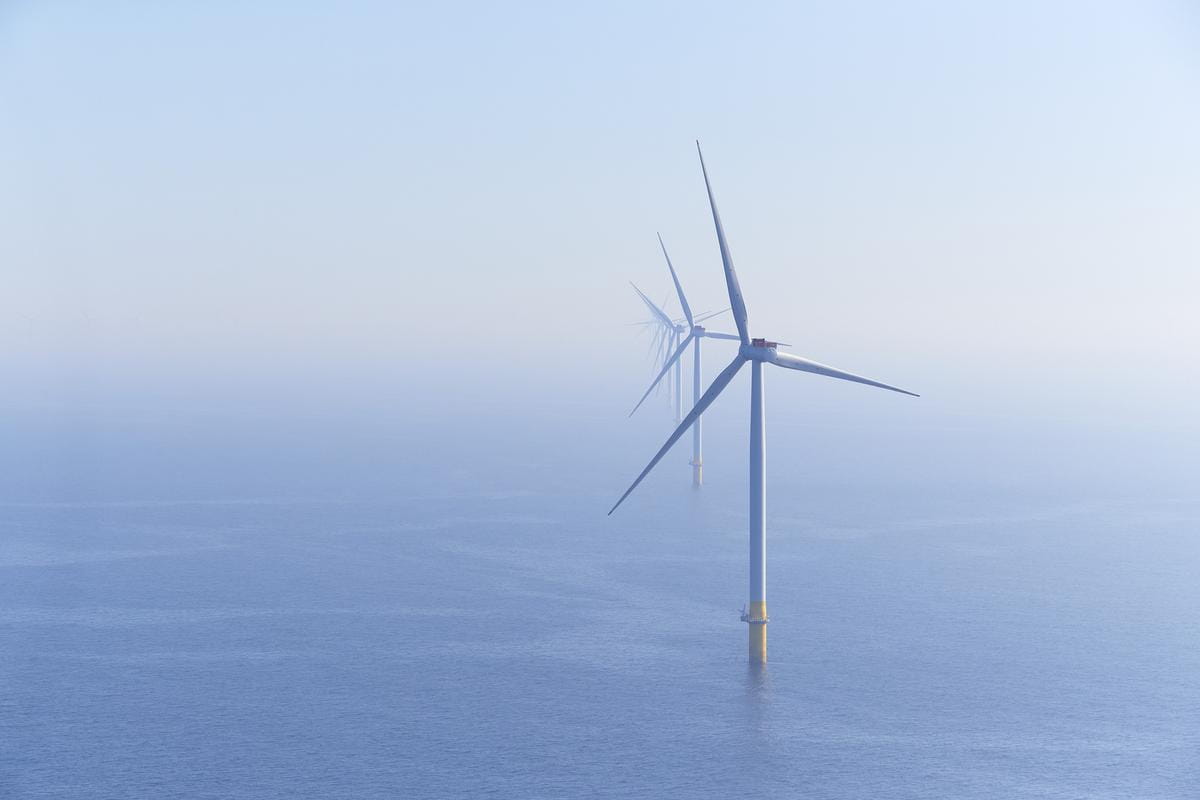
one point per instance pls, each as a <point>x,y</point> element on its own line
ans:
<point>994,204</point>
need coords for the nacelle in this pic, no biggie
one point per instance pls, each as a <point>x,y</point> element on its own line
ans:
<point>759,350</point>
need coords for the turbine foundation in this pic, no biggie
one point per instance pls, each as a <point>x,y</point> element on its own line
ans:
<point>756,618</point>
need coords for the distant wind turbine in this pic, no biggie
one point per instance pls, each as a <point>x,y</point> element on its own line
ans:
<point>666,340</point>
<point>695,332</point>
<point>757,352</point>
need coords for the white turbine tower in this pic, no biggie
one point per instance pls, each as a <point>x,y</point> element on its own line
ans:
<point>757,352</point>
<point>695,333</point>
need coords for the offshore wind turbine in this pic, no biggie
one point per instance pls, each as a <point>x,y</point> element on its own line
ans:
<point>657,337</point>
<point>667,339</point>
<point>757,352</point>
<point>695,333</point>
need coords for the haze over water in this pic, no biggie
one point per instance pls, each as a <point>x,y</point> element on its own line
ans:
<point>482,627</point>
<point>316,346</point>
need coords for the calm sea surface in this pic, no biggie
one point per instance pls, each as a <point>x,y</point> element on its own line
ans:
<point>521,644</point>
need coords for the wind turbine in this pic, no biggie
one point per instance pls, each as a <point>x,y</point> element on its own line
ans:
<point>661,340</point>
<point>757,352</point>
<point>667,339</point>
<point>695,333</point>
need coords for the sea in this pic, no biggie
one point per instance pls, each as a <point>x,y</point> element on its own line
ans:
<point>473,624</point>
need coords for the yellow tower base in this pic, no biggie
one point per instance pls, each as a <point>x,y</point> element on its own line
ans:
<point>757,619</point>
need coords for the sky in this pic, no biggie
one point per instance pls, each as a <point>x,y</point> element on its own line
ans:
<point>388,211</point>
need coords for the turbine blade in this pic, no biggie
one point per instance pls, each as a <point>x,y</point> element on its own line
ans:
<point>687,311</point>
<point>655,310</point>
<point>715,335</point>
<point>736,303</point>
<point>790,361</point>
<point>668,350</point>
<point>658,347</point>
<point>666,368</point>
<point>708,314</point>
<point>704,402</point>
